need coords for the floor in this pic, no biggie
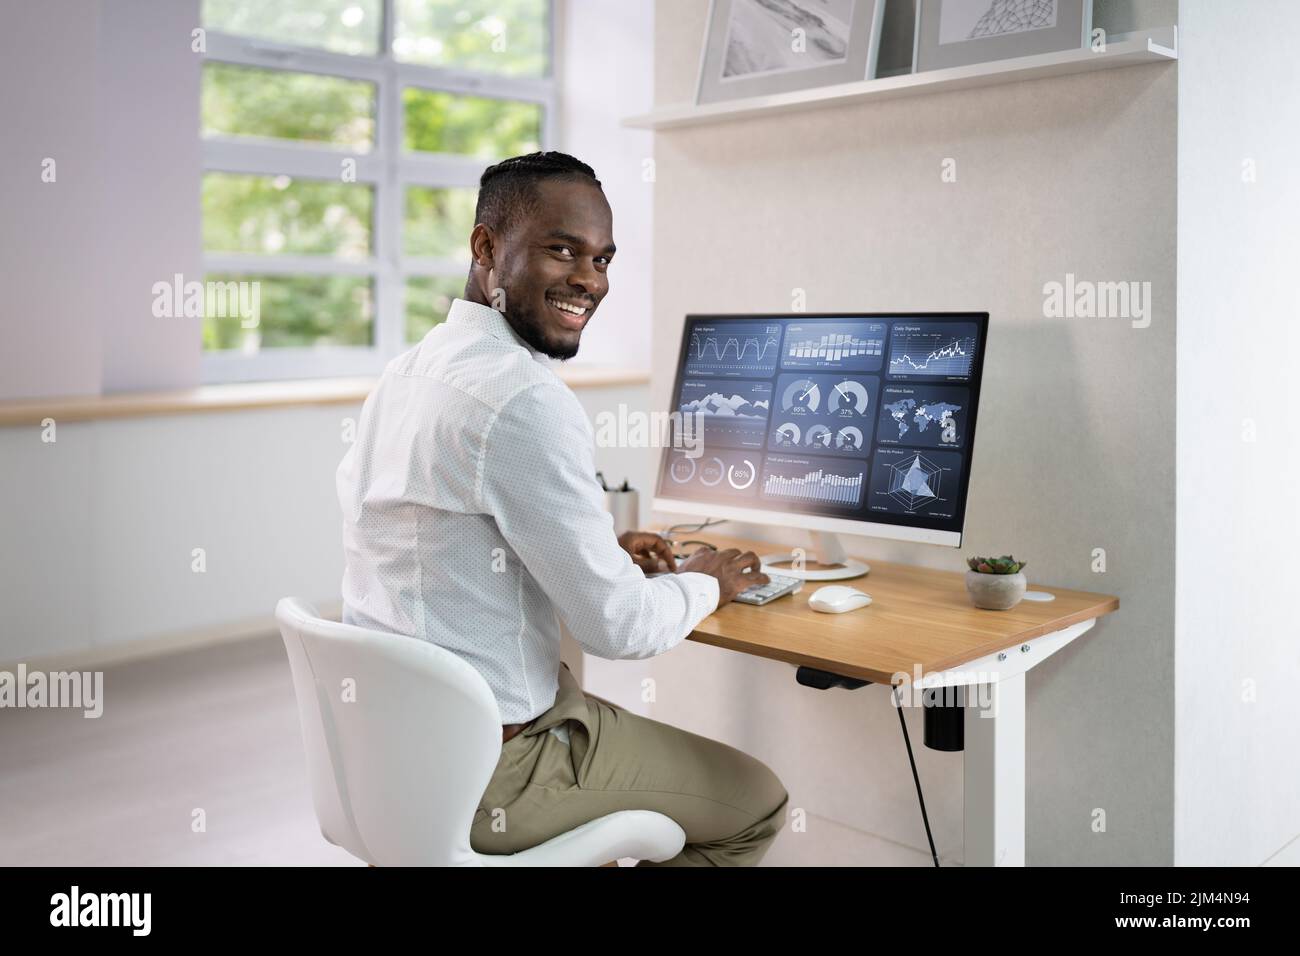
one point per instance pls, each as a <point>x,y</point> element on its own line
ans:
<point>213,730</point>
<point>198,760</point>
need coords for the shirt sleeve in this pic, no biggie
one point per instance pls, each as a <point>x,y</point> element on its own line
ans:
<point>537,478</point>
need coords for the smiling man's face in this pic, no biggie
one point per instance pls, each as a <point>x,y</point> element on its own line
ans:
<point>550,265</point>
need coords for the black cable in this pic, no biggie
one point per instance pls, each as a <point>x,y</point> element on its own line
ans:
<point>703,546</point>
<point>691,528</point>
<point>915,777</point>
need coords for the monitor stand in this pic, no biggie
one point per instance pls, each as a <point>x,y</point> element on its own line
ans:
<point>825,561</point>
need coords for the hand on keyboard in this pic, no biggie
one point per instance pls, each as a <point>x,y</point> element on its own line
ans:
<point>736,572</point>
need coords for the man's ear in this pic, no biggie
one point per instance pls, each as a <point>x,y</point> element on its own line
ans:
<point>482,245</point>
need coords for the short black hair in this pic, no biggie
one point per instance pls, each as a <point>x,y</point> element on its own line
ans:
<point>506,191</point>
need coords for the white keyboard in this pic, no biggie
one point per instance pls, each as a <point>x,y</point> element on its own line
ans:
<point>778,586</point>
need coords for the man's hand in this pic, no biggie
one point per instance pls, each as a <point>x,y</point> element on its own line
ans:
<point>648,550</point>
<point>735,571</point>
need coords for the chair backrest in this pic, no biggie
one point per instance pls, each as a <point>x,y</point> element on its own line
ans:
<point>402,737</point>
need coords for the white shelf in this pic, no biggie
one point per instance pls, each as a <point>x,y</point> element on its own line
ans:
<point>1132,49</point>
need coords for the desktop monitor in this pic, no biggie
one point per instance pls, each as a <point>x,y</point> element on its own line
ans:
<point>854,423</point>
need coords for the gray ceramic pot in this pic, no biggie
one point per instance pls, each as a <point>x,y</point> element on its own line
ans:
<point>995,592</point>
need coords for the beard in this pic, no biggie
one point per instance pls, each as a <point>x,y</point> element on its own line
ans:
<point>530,327</point>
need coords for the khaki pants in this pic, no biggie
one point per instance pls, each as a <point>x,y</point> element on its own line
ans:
<point>730,805</point>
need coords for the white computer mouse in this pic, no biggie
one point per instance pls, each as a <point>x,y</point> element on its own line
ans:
<point>837,598</point>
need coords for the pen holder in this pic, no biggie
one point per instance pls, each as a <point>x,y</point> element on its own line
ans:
<point>625,506</point>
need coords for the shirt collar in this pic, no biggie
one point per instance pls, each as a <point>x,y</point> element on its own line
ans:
<point>487,319</point>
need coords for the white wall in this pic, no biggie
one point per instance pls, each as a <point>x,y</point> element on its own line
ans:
<point>110,92</point>
<point>98,528</point>
<point>100,551</point>
<point>608,73</point>
<point>48,318</point>
<point>1238,644</point>
<point>1077,419</point>
<point>147,113</point>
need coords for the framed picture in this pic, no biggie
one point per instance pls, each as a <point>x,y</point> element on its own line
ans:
<point>761,47</point>
<point>960,32</point>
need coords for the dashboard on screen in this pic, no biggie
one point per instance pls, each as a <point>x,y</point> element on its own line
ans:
<point>863,417</point>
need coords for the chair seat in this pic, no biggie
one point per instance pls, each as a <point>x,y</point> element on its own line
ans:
<point>643,834</point>
<point>398,766</point>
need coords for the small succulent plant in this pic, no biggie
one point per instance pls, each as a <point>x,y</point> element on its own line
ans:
<point>1003,565</point>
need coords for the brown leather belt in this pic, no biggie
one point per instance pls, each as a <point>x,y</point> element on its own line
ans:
<point>512,730</point>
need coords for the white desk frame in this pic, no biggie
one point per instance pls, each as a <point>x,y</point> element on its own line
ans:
<point>994,755</point>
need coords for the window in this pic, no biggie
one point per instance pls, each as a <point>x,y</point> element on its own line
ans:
<point>342,145</point>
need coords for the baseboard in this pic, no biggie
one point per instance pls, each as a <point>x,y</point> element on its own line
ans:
<point>121,652</point>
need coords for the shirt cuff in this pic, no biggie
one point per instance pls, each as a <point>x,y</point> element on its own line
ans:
<point>704,594</point>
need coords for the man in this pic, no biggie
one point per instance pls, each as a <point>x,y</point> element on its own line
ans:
<point>473,519</point>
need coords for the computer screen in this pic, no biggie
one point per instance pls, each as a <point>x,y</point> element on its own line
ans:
<point>842,422</point>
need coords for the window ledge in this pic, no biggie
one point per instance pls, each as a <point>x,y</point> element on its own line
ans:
<point>251,395</point>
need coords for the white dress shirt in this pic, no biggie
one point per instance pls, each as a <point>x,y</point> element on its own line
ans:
<point>472,518</point>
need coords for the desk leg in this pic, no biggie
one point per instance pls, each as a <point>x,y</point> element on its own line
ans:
<point>995,773</point>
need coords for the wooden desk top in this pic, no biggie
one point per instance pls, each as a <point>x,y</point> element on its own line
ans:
<point>917,616</point>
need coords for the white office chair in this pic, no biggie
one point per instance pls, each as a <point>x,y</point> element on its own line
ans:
<point>398,773</point>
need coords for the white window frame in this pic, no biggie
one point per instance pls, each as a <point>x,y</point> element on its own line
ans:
<point>387,168</point>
